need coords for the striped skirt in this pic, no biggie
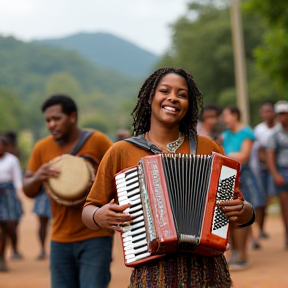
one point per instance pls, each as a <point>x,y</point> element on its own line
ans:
<point>182,271</point>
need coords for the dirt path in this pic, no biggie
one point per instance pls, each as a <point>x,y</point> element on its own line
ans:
<point>268,269</point>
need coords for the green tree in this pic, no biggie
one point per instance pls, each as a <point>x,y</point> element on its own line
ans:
<point>11,111</point>
<point>271,55</point>
<point>202,45</point>
<point>62,83</point>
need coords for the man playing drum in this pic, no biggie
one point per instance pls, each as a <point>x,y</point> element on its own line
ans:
<point>79,256</point>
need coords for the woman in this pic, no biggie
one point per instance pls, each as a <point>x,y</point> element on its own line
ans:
<point>165,120</point>
<point>277,161</point>
<point>10,206</point>
<point>13,232</point>
<point>237,144</point>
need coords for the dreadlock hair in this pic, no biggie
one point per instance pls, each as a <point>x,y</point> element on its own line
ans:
<point>142,112</point>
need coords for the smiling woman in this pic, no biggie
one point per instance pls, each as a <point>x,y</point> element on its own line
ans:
<point>165,120</point>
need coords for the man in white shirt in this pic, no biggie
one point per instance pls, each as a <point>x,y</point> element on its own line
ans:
<point>262,133</point>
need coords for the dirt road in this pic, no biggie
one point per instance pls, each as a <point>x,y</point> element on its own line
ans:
<point>268,266</point>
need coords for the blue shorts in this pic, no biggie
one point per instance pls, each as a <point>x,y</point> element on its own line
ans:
<point>284,172</point>
<point>82,264</point>
<point>268,183</point>
<point>265,182</point>
<point>42,204</point>
<point>250,188</point>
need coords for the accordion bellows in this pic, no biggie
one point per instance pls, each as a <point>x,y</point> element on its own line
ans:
<point>173,201</point>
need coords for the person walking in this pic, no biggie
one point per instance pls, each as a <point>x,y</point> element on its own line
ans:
<point>237,144</point>
<point>277,161</point>
<point>10,205</point>
<point>165,119</point>
<point>258,164</point>
<point>79,257</point>
<point>12,147</point>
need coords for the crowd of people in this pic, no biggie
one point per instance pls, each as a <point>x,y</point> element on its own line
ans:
<point>262,152</point>
<point>165,121</point>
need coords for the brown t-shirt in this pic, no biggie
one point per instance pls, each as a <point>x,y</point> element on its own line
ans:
<point>67,225</point>
<point>123,155</point>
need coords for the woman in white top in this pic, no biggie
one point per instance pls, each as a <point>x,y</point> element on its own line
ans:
<point>10,206</point>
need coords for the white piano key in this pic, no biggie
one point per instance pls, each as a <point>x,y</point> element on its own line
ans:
<point>133,242</point>
<point>135,238</point>
<point>133,174</point>
<point>119,176</point>
<point>139,217</point>
<point>134,232</point>
<point>131,181</point>
<point>125,187</point>
<point>138,257</point>
<point>136,244</point>
<point>128,193</point>
<point>131,210</point>
<point>127,183</point>
<point>136,251</point>
<point>132,203</point>
<point>132,198</point>
<point>126,174</point>
<point>132,227</point>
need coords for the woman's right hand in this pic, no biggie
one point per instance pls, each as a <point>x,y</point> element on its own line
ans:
<point>111,216</point>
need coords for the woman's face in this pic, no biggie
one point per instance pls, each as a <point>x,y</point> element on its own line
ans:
<point>170,103</point>
<point>229,118</point>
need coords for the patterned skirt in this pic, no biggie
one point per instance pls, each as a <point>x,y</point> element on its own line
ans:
<point>182,270</point>
<point>10,205</point>
<point>42,204</point>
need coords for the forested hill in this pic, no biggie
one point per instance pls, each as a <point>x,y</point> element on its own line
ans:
<point>26,67</point>
<point>108,51</point>
<point>30,72</point>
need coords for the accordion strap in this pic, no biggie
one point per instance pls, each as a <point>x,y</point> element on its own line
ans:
<point>141,142</point>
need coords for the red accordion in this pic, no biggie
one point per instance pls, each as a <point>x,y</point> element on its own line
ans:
<point>173,200</point>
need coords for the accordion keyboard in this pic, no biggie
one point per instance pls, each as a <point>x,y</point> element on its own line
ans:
<point>134,234</point>
<point>225,192</point>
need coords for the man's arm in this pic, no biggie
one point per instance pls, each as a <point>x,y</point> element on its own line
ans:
<point>32,181</point>
<point>31,186</point>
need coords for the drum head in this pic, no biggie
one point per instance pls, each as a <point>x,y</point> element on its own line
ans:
<point>74,180</point>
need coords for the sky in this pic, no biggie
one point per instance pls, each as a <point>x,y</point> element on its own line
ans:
<point>142,22</point>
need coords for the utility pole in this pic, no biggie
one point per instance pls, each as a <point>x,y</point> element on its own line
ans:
<point>239,61</point>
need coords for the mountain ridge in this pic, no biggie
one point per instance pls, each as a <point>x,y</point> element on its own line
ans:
<point>108,51</point>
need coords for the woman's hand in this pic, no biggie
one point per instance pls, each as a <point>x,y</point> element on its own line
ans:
<point>111,216</point>
<point>237,211</point>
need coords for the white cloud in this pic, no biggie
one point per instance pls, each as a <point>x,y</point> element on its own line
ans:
<point>144,22</point>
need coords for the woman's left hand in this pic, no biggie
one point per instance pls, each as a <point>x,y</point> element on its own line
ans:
<point>237,211</point>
